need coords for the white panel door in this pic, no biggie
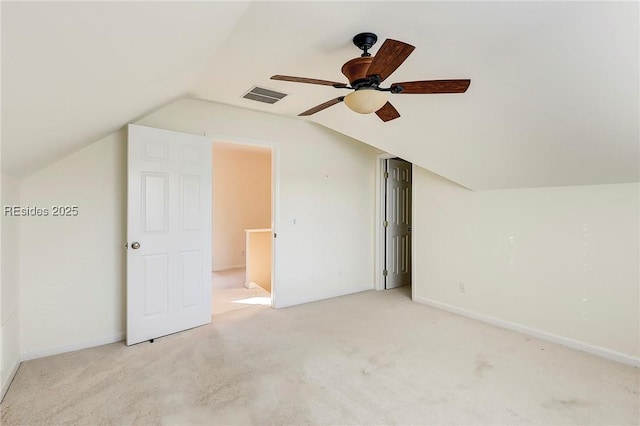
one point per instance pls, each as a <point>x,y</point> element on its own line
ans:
<point>168,233</point>
<point>397,223</point>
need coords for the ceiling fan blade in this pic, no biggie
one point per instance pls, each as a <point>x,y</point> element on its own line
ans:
<point>390,56</point>
<point>387,112</point>
<point>434,86</point>
<point>322,106</point>
<point>308,80</point>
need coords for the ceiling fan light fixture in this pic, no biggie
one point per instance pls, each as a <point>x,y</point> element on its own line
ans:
<point>365,75</point>
<point>365,101</point>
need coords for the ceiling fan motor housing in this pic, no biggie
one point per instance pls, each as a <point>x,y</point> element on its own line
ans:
<point>356,69</point>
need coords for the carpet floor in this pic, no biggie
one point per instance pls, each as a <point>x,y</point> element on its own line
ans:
<point>228,292</point>
<point>367,358</point>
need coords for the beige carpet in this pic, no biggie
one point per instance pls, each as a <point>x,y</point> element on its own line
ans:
<point>228,292</point>
<point>368,358</point>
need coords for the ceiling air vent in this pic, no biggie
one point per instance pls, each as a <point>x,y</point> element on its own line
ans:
<point>261,94</point>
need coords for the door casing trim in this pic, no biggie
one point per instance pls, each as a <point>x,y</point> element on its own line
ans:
<point>379,234</point>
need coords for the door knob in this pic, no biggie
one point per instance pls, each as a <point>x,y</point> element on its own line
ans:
<point>135,245</point>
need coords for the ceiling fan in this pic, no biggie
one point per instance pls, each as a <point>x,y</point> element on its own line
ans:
<point>366,73</point>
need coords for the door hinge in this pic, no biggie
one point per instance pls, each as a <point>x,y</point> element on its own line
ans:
<point>385,223</point>
<point>385,272</point>
<point>386,175</point>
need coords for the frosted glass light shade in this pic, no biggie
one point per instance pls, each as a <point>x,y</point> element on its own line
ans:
<point>365,101</point>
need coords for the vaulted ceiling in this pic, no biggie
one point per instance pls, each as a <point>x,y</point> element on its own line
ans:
<point>554,95</point>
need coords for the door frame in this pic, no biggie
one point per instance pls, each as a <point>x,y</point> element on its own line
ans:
<point>379,229</point>
<point>275,193</point>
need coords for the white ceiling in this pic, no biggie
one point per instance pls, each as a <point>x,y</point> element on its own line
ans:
<point>554,95</point>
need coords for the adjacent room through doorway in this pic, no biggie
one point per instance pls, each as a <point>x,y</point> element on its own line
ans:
<point>241,228</point>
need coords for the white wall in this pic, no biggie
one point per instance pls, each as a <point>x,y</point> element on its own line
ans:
<point>325,181</point>
<point>241,199</point>
<point>570,270</point>
<point>72,268</point>
<point>562,261</point>
<point>10,291</point>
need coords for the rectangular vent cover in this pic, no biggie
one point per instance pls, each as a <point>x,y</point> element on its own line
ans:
<point>261,94</point>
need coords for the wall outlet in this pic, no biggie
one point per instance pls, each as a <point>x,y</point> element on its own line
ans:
<point>242,253</point>
<point>462,287</point>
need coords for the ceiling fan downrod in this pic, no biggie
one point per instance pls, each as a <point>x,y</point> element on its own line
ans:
<point>364,42</point>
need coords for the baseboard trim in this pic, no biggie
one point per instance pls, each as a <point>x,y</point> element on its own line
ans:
<point>250,285</point>
<point>73,347</point>
<point>543,335</point>
<point>228,268</point>
<point>7,383</point>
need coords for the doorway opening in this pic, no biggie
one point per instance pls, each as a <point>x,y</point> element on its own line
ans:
<point>242,207</point>
<point>394,224</point>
